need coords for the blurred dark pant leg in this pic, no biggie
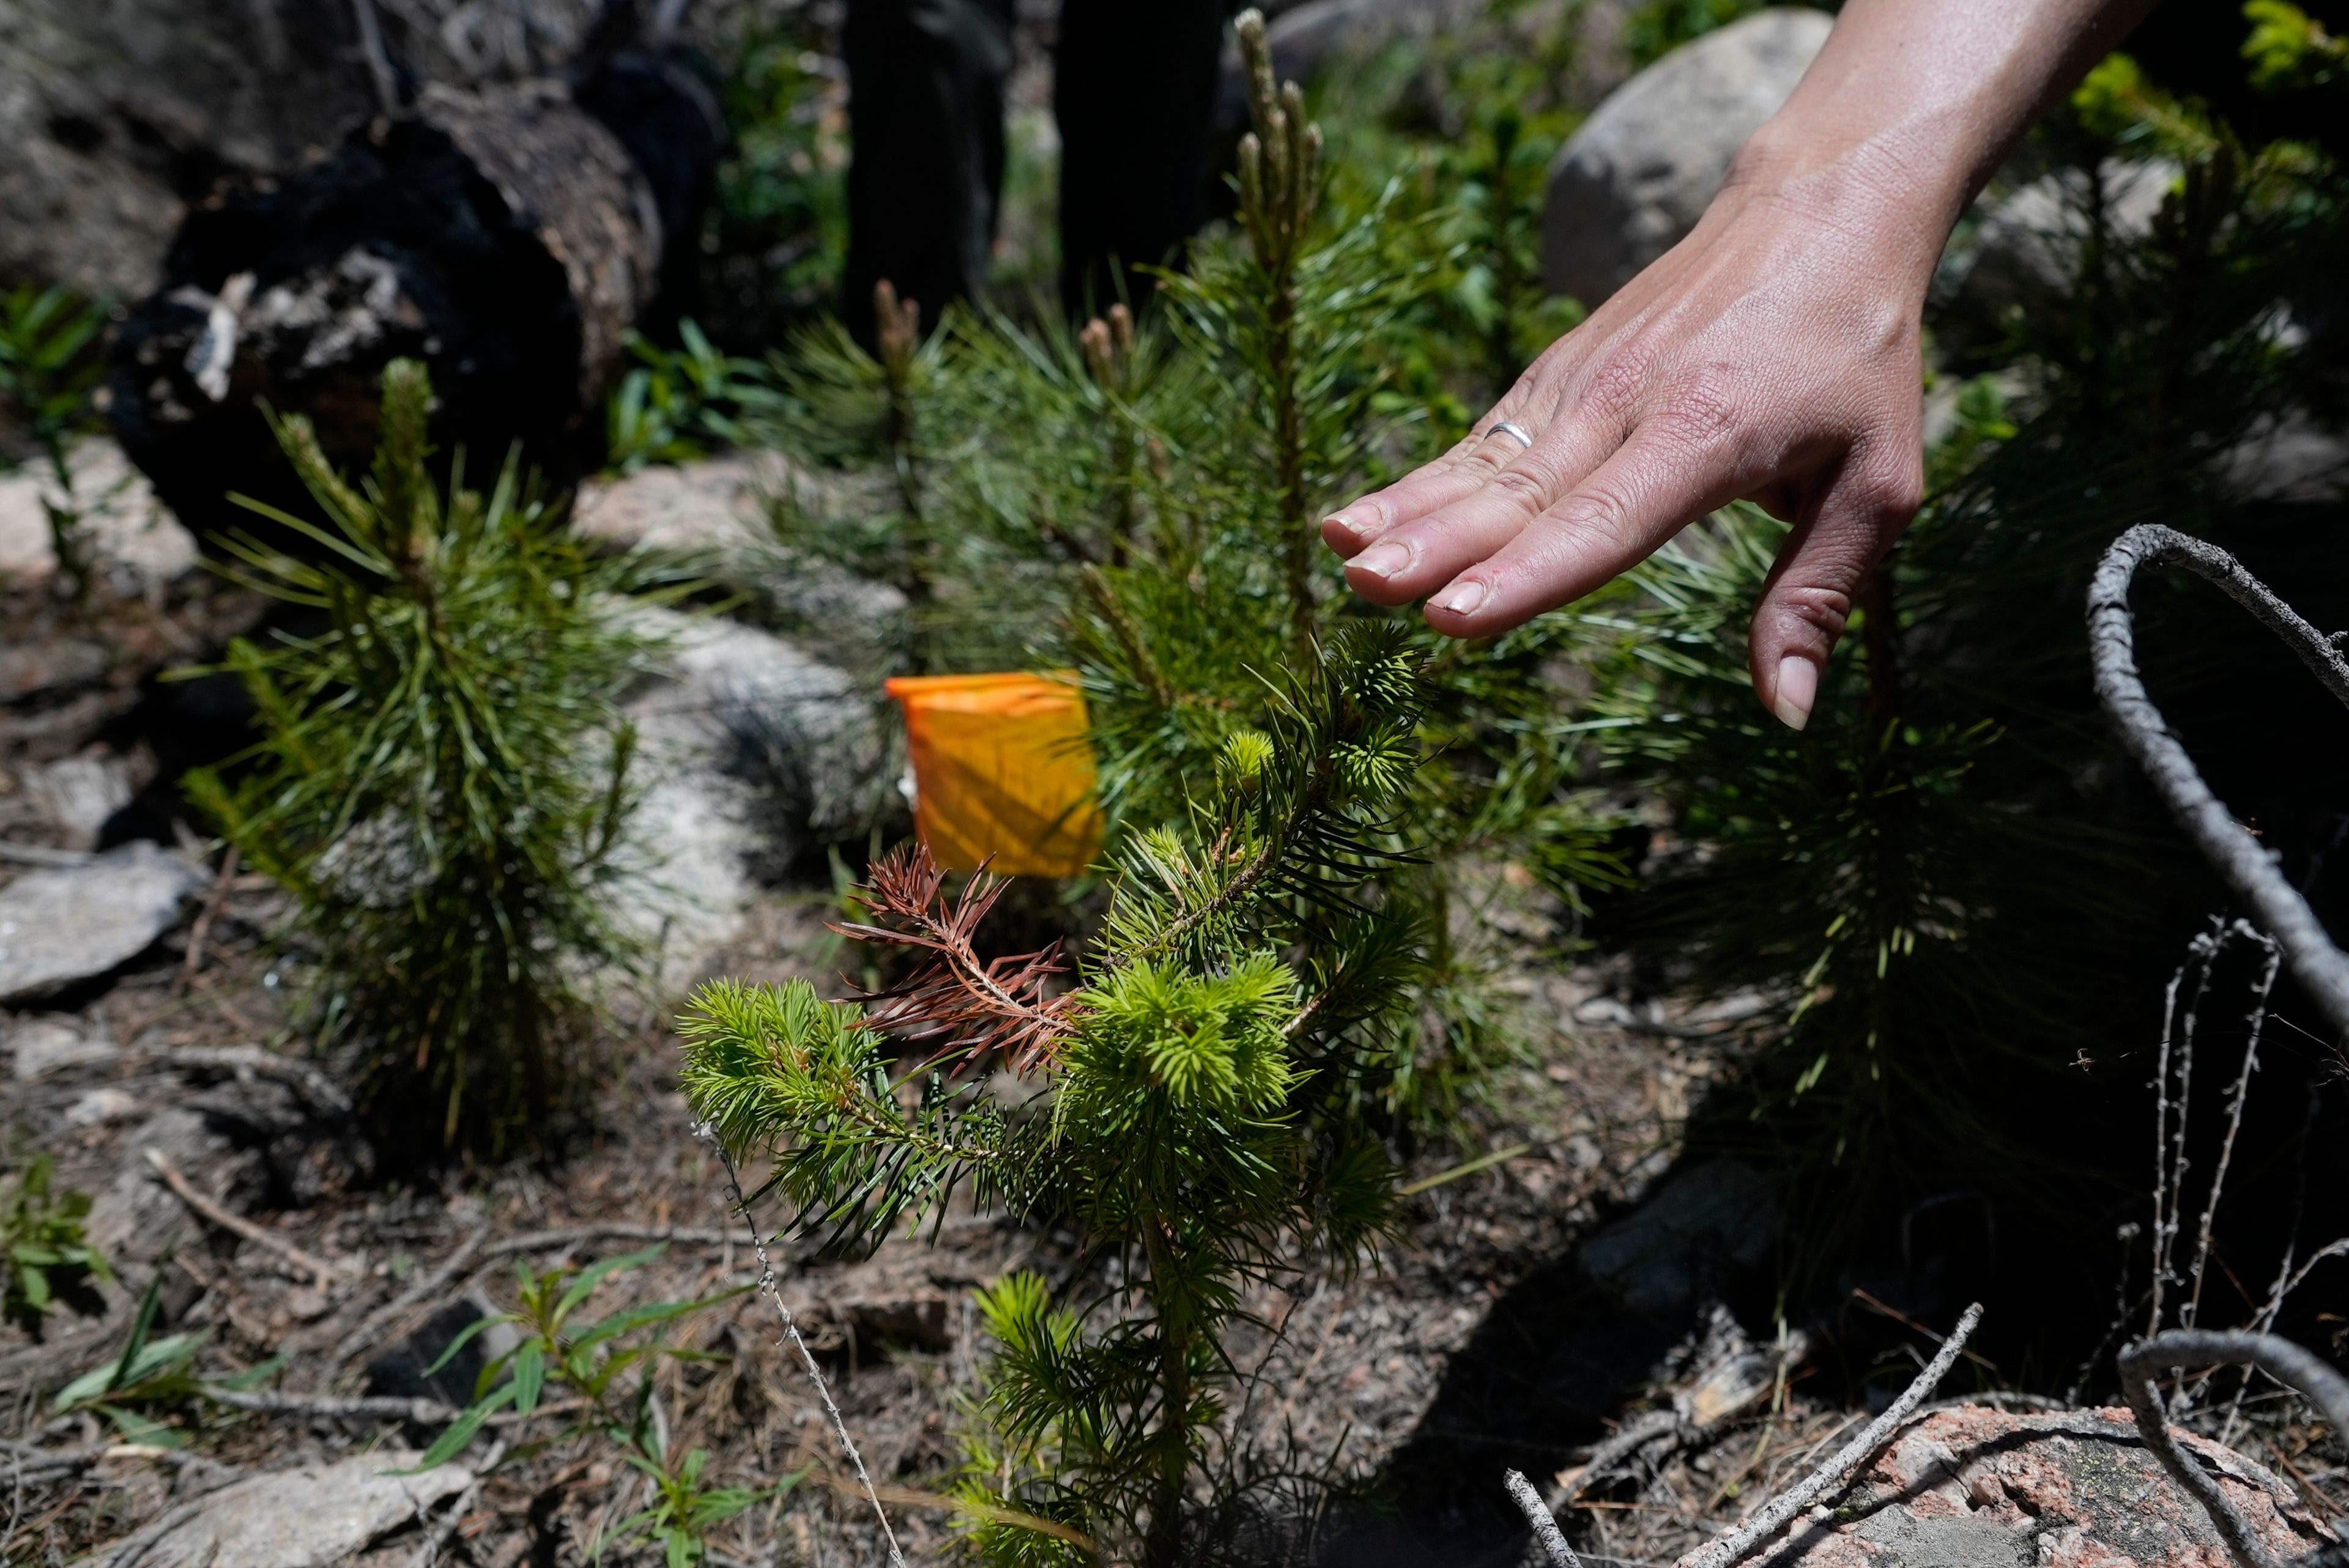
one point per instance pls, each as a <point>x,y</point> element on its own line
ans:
<point>1134,91</point>
<point>925,127</point>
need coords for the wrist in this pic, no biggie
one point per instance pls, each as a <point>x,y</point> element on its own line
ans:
<point>1892,189</point>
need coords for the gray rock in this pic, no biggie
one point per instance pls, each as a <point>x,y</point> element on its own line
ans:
<point>1977,1488</point>
<point>717,513</point>
<point>136,1217</point>
<point>2290,459</point>
<point>134,539</point>
<point>100,1105</point>
<point>1633,180</point>
<point>44,1045</point>
<point>47,666</point>
<point>60,926</point>
<point>752,750</point>
<point>2024,251</point>
<point>1306,38</point>
<point>1695,1226</point>
<point>80,792</point>
<point>309,1516</point>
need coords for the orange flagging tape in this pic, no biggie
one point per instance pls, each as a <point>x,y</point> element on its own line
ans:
<point>1002,769</point>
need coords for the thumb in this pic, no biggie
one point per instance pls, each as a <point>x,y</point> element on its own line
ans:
<point>1810,592</point>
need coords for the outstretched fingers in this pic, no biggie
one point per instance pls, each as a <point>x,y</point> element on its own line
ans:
<point>1820,573</point>
<point>1417,556</point>
<point>1614,518</point>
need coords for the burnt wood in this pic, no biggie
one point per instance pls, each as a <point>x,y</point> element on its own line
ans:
<point>508,237</point>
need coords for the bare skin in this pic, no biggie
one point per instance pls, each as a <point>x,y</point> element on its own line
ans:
<point>1774,355</point>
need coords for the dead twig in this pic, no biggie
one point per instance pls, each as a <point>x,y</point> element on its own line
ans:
<point>770,1289</point>
<point>2238,857</point>
<point>2279,1358</point>
<point>317,1268</point>
<point>42,857</point>
<point>373,1408</point>
<point>1766,1521</point>
<point>1628,1439</point>
<point>316,1089</point>
<point>478,1249</point>
<point>430,1285</point>
<point>1537,1514</point>
<point>202,929</point>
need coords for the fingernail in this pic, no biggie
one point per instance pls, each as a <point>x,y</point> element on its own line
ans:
<point>1461,598</point>
<point>1381,559</point>
<point>1361,522</point>
<point>1798,688</point>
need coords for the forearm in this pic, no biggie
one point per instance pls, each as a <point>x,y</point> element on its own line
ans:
<point>1911,106</point>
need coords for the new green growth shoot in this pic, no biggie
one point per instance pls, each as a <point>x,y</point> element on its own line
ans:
<point>442,779</point>
<point>1197,1128</point>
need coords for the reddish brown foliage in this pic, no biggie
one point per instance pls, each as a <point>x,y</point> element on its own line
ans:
<point>973,1008</point>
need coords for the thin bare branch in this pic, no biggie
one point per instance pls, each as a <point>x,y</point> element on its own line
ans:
<point>1766,1521</point>
<point>1537,1514</point>
<point>478,1249</point>
<point>2237,1096</point>
<point>368,1407</point>
<point>768,1288</point>
<point>2319,966</point>
<point>317,1268</point>
<point>2279,1358</point>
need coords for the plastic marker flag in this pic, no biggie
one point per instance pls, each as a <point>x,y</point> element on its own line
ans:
<point>1002,768</point>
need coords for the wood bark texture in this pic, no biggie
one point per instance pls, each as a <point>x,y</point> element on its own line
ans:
<point>509,236</point>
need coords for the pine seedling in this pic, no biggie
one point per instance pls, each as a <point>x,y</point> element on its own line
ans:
<point>1134,498</point>
<point>1194,1131</point>
<point>442,781</point>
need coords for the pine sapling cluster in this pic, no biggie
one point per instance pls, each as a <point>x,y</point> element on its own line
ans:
<point>443,781</point>
<point>1193,1126</point>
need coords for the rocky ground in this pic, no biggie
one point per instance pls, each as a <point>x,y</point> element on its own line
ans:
<point>152,1053</point>
<point>1554,1311</point>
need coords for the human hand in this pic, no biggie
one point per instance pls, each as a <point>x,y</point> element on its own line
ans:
<point>1774,354</point>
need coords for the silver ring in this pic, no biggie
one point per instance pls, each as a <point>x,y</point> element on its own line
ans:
<point>1506,428</point>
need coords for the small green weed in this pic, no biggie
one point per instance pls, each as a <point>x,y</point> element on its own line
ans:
<point>46,1260</point>
<point>589,1362</point>
<point>675,403</point>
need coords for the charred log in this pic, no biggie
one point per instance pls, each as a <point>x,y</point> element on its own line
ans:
<point>508,237</point>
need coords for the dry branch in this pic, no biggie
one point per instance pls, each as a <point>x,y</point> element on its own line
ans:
<point>2319,966</point>
<point>477,1249</point>
<point>316,1089</point>
<point>769,1287</point>
<point>2279,1358</point>
<point>1539,1515</point>
<point>371,1407</point>
<point>1766,1521</point>
<point>317,1268</point>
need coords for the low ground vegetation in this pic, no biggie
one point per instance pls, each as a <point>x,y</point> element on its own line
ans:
<point>1407,962</point>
